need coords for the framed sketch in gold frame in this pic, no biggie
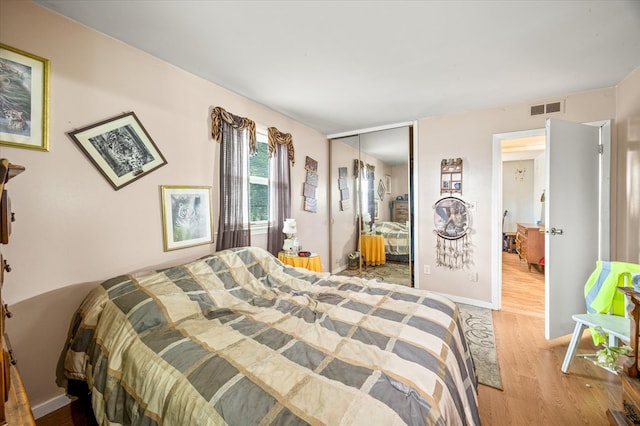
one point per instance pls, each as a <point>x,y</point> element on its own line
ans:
<point>120,148</point>
<point>187,216</point>
<point>24,99</point>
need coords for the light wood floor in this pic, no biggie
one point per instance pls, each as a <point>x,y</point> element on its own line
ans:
<point>535,391</point>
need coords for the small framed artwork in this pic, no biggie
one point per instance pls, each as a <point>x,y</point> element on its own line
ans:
<point>310,164</point>
<point>187,216</point>
<point>24,99</point>
<point>309,190</point>
<point>387,183</point>
<point>120,148</point>
<point>381,189</point>
<point>312,178</point>
<point>310,204</point>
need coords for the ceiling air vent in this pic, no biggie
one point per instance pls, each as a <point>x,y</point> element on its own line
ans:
<point>537,109</point>
<point>553,107</point>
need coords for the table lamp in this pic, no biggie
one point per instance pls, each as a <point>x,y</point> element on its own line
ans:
<point>289,229</point>
<point>367,219</point>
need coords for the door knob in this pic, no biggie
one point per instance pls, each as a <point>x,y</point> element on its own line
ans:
<point>556,231</point>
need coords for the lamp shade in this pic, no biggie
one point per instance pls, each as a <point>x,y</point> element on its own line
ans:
<point>289,226</point>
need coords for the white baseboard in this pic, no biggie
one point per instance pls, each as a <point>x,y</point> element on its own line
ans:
<point>339,269</point>
<point>50,406</point>
<point>467,301</point>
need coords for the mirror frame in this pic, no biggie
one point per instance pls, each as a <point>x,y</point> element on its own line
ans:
<point>412,127</point>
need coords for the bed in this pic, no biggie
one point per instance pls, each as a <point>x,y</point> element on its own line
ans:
<point>397,241</point>
<point>239,338</point>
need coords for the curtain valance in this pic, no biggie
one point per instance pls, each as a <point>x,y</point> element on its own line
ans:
<point>219,115</point>
<point>276,136</point>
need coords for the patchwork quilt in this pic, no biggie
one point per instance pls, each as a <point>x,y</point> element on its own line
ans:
<point>239,338</point>
<point>396,237</point>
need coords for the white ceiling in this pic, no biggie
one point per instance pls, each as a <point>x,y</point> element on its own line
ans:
<point>343,65</point>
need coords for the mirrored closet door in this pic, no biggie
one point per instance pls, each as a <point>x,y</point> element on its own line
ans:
<point>371,226</point>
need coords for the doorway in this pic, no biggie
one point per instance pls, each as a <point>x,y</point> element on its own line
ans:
<point>572,149</point>
<point>523,176</point>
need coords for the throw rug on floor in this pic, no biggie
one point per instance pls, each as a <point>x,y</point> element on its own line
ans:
<point>477,324</point>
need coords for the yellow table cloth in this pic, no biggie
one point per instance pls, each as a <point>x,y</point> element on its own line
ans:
<point>372,247</point>
<point>312,263</point>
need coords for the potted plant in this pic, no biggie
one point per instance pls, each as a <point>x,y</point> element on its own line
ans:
<point>607,356</point>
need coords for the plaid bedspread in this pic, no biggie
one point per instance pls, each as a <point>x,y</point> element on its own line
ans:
<point>238,338</point>
<point>396,237</point>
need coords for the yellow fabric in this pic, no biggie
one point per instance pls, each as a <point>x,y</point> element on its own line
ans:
<point>372,247</point>
<point>601,290</point>
<point>312,263</point>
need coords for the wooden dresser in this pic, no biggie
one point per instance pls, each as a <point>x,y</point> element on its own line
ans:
<point>14,404</point>
<point>399,211</point>
<point>530,243</point>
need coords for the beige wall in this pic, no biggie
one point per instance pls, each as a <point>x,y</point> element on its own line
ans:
<point>470,137</point>
<point>72,228</point>
<point>627,167</point>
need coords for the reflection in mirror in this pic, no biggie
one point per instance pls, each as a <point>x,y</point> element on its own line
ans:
<point>371,232</point>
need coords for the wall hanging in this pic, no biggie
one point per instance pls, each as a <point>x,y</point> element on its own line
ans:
<point>344,188</point>
<point>310,186</point>
<point>451,219</point>
<point>187,216</point>
<point>451,176</point>
<point>120,148</point>
<point>24,99</point>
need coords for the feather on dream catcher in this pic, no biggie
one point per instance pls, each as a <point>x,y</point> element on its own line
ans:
<point>451,220</point>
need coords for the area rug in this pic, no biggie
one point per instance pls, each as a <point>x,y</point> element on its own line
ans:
<point>389,272</point>
<point>477,324</point>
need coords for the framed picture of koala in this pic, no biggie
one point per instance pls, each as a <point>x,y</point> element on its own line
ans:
<point>120,148</point>
<point>24,99</point>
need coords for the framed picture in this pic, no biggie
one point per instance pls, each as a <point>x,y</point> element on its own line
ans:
<point>187,216</point>
<point>310,164</point>
<point>120,148</point>
<point>450,218</point>
<point>24,99</point>
<point>387,183</point>
<point>312,178</point>
<point>381,189</point>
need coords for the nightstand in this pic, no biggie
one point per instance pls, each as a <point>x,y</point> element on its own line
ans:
<point>312,263</point>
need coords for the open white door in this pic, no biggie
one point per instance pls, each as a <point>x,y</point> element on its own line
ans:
<point>572,222</point>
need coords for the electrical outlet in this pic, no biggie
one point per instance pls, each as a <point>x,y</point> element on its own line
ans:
<point>473,277</point>
<point>427,269</point>
<point>472,205</point>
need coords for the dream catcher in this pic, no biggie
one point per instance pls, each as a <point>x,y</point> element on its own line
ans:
<point>451,220</point>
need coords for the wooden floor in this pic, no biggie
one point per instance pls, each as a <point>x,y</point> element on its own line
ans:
<point>535,391</point>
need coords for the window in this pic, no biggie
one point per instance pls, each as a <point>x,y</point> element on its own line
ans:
<point>259,182</point>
